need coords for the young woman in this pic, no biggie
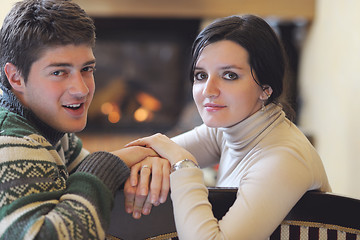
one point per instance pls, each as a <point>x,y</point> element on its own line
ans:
<point>238,72</point>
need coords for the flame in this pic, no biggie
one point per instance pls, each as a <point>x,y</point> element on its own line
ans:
<point>114,117</point>
<point>107,108</point>
<point>112,111</point>
<point>148,105</point>
<point>149,102</point>
<point>143,114</point>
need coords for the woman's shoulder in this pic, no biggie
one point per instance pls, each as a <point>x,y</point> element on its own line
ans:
<point>287,139</point>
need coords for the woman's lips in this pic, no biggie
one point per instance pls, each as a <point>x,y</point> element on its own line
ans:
<point>211,107</point>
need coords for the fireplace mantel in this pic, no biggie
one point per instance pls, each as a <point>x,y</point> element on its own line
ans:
<point>285,9</point>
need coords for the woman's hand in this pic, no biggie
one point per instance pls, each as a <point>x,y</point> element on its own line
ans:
<point>134,154</point>
<point>165,147</point>
<point>153,172</point>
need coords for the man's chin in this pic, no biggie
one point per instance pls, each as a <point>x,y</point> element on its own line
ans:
<point>79,129</point>
<point>72,128</point>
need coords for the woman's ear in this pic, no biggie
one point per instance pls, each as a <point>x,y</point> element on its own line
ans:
<point>14,77</point>
<point>266,93</point>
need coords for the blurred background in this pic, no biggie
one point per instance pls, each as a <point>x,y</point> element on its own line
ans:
<point>143,51</point>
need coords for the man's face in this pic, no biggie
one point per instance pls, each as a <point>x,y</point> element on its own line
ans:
<point>60,87</point>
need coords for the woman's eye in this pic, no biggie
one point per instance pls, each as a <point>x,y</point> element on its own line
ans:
<point>88,69</point>
<point>230,76</point>
<point>200,76</point>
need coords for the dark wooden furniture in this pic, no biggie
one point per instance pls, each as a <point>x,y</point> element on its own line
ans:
<point>317,215</point>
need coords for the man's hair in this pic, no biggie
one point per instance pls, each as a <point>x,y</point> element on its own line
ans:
<point>33,26</point>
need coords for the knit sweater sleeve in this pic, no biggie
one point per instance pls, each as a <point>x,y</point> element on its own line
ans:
<point>39,200</point>
<point>107,167</point>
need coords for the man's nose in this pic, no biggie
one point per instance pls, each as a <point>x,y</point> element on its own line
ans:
<point>78,86</point>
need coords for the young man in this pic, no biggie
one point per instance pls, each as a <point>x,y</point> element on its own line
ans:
<point>52,188</point>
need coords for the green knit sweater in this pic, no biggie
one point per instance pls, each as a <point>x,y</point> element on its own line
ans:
<point>51,188</point>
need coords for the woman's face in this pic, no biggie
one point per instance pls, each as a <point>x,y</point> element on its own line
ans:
<point>224,90</point>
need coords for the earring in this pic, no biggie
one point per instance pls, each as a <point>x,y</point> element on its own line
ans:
<point>263,106</point>
<point>265,89</point>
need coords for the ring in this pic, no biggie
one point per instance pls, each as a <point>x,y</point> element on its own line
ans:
<point>145,166</point>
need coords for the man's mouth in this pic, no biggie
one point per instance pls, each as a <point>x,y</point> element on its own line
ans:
<point>73,106</point>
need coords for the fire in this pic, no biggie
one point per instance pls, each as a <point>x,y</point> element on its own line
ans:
<point>142,115</point>
<point>149,104</point>
<point>112,111</point>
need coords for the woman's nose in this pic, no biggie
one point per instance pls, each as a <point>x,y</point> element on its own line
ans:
<point>211,88</point>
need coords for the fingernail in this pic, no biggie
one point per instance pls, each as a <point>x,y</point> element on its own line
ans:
<point>162,199</point>
<point>137,215</point>
<point>146,211</point>
<point>128,210</point>
<point>153,199</point>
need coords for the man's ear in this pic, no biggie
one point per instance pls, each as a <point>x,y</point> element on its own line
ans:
<point>266,93</point>
<point>14,77</point>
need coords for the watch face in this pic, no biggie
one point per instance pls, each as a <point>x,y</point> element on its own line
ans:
<point>186,163</point>
<point>189,163</point>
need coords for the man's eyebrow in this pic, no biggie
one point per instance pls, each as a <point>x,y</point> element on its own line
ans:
<point>60,64</point>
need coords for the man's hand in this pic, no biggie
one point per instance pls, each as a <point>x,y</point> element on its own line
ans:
<point>153,172</point>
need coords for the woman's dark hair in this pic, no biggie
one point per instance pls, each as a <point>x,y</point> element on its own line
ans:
<point>266,54</point>
<point>32,26</point>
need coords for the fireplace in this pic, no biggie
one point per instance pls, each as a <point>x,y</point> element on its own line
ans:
<point>142,83</point>
<point>141,76</point>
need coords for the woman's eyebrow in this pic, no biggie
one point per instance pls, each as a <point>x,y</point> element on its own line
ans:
<point>231,67</point>
<point>90,62</point>
<point>226,67</point>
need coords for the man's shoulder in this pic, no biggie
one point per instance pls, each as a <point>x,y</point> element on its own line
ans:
<point>12,124</point>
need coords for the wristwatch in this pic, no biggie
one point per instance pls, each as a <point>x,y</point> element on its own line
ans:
<point>186,163</point>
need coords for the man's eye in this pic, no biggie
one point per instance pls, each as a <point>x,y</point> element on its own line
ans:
<point>200,76</point>
<point>58,73</point>
<point>230,76</point>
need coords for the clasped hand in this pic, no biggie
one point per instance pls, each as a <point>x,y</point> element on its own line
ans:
<point>150,185</point>
<point>150,174</point>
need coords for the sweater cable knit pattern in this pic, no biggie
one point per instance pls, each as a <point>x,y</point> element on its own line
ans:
<point>50,187</point>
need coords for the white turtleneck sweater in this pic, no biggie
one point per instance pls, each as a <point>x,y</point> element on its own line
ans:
<point>265,156</point>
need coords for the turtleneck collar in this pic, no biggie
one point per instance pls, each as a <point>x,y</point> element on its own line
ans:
<point>9,101</point>
<point>250,131</point>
